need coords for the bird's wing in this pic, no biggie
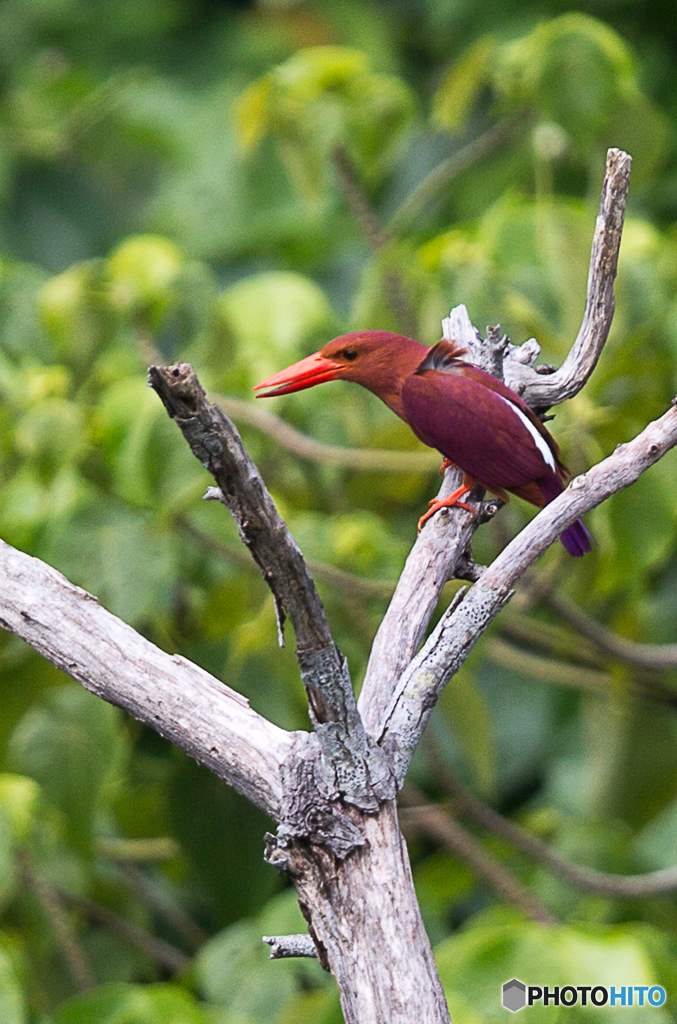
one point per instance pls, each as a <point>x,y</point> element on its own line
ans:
<point>485,433</point>
<point>446,357</point>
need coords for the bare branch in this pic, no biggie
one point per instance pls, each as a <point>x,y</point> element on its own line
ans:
<point>376,238</point>
<point>358,203</point>
<point>564,673</point>
<point>630,886</point>
<point>655,657</point>
<point>214,440</point>
<point>213,723</point>
<point>351,762</point>
<point>547,670</point>
<point>160,900</point>
<point>445,172</point>
<point>432,821</point>
<point>541,391</point>
<point>171,958</point>
<point>372,460</point>
<point>464,622</point>
<point>68,941</point>
<point>283,947</point>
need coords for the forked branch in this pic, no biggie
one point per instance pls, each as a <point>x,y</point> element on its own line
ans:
<point>541,391</point>
<point>464,622</point>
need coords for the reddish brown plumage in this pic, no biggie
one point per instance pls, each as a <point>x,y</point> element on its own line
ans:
<point>472,418</point>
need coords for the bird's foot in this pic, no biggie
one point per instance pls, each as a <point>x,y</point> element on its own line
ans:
<point>451,501</point>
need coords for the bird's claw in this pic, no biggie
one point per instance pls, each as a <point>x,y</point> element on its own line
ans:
<point>436,505</point>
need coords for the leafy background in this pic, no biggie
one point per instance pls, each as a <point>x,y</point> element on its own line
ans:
<point>171,187</point>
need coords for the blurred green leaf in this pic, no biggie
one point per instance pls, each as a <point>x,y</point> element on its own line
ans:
<point>461,86</point>
<point>121,555</point>
<point>321,97</point>
<point>289,310</point>
<point>476,962</point>
<point>12,1004</point>
<point>134,1004</point>
<point>18,799</point>
<point>73,745</point>
<point>218,830</point>
<point>467,710</point>
<point>233,970</point>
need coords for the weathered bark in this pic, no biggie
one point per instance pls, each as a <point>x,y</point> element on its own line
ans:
<point>364,917</point>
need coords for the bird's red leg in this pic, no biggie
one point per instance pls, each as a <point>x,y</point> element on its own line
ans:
<point>445,466</point>
<point>451,501</point>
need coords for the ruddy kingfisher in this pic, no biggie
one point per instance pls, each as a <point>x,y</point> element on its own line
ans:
<point>474,420</point>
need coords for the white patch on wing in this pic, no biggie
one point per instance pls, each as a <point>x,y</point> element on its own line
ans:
<point>541,443</point>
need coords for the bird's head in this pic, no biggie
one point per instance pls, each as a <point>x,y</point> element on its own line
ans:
<point>378,360</point>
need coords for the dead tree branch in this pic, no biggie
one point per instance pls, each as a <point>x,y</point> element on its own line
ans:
<point>350,761</point>
<point>541,391</point>
<point>285,947</point>
<point>332,791</point>
<point>434,558</point>
<point>207,719</point>
<point>432,561</point>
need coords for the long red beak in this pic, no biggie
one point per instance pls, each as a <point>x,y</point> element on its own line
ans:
<point>313,370</point>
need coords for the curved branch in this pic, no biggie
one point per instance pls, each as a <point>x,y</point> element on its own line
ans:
<point>448,169</point>
<point>631,886</point>
<point>464,622</point>
<point>432,821</point>
<point>654,657</point>
<point>203,716</point>
<point>373,460</point>
<point>541,391</point>
<point>172,959</point>
<point>564,673</point>
<point>547,670</point>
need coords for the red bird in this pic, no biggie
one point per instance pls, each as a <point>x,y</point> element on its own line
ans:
<point>474,420</point>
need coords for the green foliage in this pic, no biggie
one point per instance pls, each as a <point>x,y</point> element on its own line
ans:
<point>134,1004</point>
<point>80,734</point>
<point>476,962</point>
<point>170,189</point>
<point>322,97</point>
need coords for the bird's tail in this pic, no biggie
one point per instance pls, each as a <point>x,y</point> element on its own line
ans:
<point>577,539</point>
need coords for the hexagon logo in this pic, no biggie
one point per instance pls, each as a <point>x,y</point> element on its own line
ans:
<point>514,995</point>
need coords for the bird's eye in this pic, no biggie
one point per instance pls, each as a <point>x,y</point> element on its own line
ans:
<point>350,354</point>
